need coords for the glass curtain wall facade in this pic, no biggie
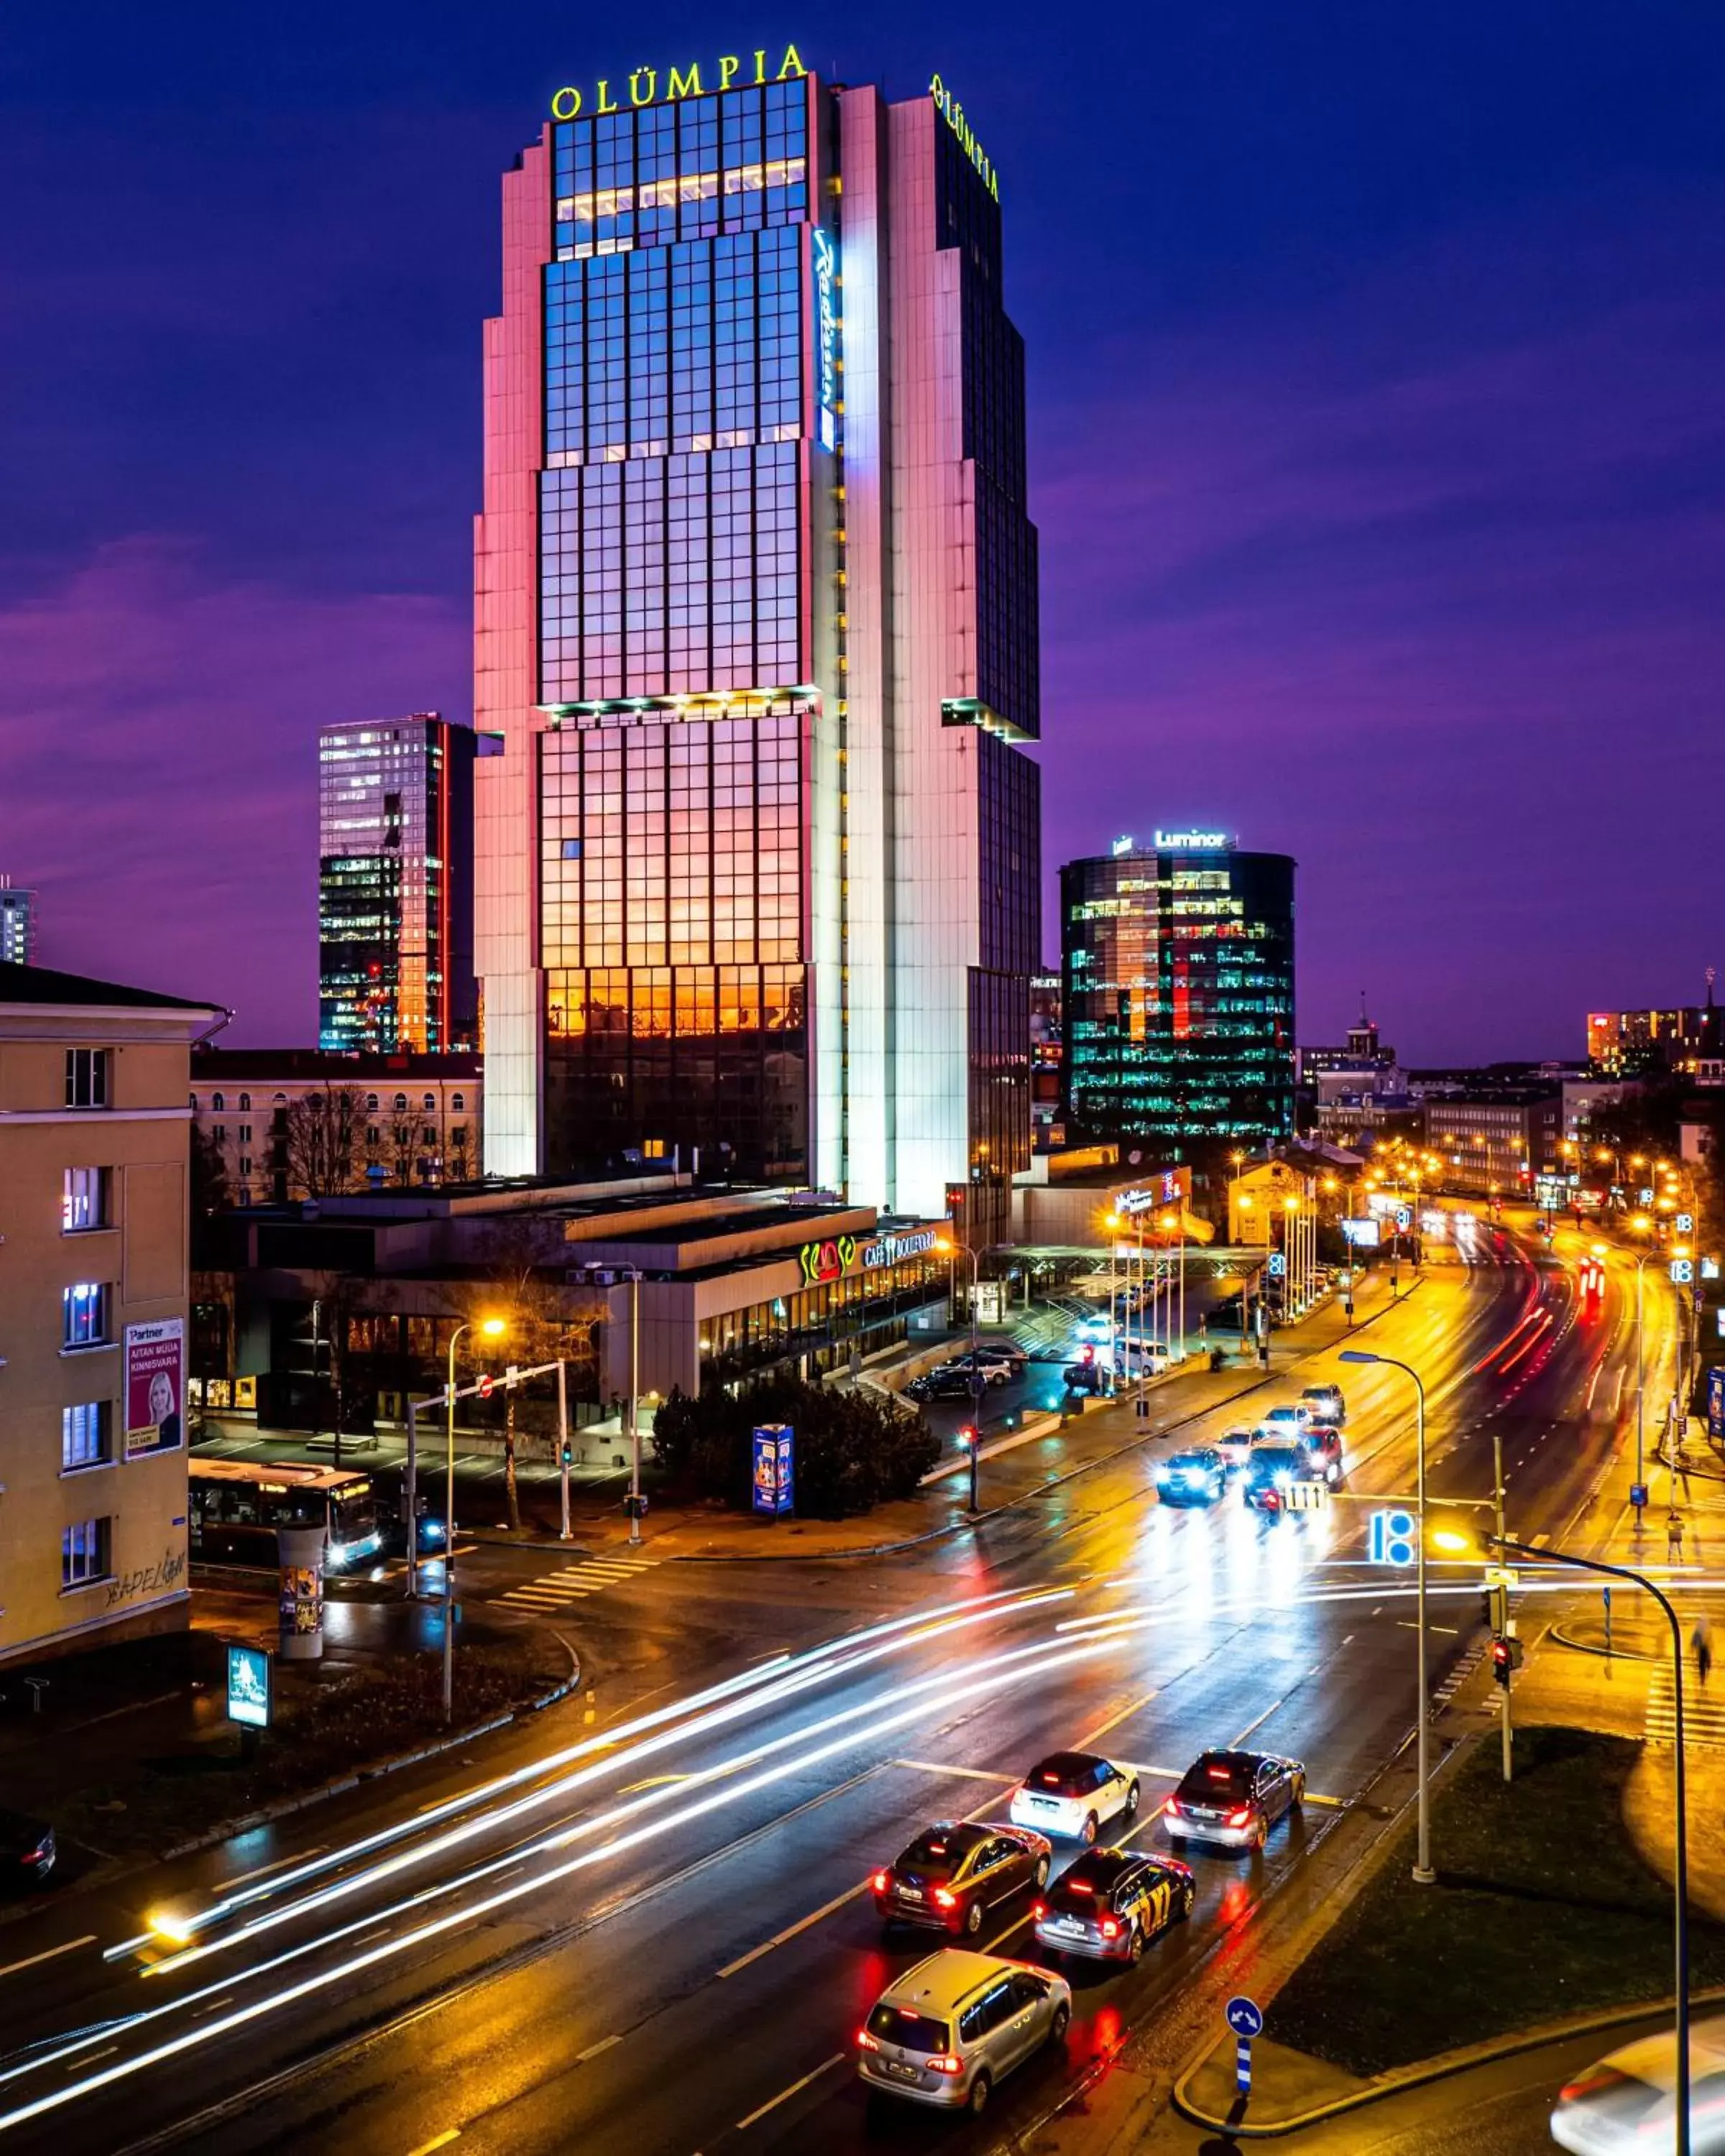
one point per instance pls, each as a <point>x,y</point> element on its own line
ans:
<point>756,629</point>
<point>1178,992</point>
<point>395,897</point>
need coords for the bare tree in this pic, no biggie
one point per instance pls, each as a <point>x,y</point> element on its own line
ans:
<point>323,1131</point>
<point>404,1151</point>
<point>336,1299</point>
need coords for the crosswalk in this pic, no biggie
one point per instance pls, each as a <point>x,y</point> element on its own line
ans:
<point>1703,1712</point>
<point>552,1591</point>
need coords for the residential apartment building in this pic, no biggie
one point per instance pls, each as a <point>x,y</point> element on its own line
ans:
<point>93,1307</point>
<point>18,923</point>
<point>1493,1144</point>
<point>289,1123</point>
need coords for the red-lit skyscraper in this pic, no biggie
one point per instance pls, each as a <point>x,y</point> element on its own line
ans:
<point>757,627</point>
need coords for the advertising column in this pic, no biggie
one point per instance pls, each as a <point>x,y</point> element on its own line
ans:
<point>301,1553</point>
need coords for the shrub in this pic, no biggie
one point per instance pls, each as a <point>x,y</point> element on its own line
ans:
<point>854,1449</point>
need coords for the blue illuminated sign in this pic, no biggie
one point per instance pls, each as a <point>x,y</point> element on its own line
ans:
<point>826,330</point>
<point>1393,1539</point>
<point>249,1687</point>
<point>774,1472</point>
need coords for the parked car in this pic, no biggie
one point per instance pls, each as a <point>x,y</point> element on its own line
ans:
<point>1085,1377</point>
<point>1231,1799</point>
<point>955,1872</point>
<point>27,1849</point>
<point>950,2028</point>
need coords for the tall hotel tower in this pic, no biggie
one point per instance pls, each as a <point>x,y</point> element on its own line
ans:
<point>756,623</point>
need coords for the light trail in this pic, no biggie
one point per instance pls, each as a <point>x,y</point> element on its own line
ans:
<point>1052,1657</point>
<point>750,1692</point>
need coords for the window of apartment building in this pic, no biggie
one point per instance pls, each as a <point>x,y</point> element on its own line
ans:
<point>84,1315</point>
<point>245,1161</point>
<point>431,1103</point>
<point>458,1102</point>
<point>85,1434</point>
<point>430,1136</point>
<point>87,1077</point>
<point>245,1134</point>
<point>371,1104</point>
<point>84,1199</point>
<point>84,1552</point>
<point>219,1101</point>
<point>218,1132</point>
<point>245,1101</point>
<point>401,1104</point>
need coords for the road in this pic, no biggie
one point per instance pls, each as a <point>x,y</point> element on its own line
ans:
<point>652,1933</point>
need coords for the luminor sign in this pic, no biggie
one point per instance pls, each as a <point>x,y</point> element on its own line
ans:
<point>647,85</point>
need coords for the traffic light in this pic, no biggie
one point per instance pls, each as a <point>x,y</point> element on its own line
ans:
<point>967,1439</point>
<point>568,1454</point>
<point>1506,1656</point>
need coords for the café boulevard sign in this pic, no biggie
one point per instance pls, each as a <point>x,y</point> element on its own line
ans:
<point>646,85</point>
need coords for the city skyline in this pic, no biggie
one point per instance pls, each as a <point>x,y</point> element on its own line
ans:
<point>1365,366</point>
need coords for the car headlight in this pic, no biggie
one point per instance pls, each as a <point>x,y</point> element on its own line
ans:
<point>1283,1480</point>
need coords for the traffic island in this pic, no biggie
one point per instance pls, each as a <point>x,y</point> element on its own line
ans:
<point>1544,1917</point>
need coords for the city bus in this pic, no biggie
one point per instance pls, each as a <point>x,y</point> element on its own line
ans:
<point>237,1504</point>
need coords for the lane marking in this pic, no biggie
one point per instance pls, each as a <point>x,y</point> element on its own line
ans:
<point>77,2065</point>
<point>214,2007</point>
<point>13,1968</point>
<point>791,1932</point>
<point>652,1782</point>
<point>785,2096</point>
<point>966,1774</point>
<point>438,2141</point>
<point>592,2051</point>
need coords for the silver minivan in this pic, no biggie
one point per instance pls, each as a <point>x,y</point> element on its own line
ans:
<point>948,2029</point>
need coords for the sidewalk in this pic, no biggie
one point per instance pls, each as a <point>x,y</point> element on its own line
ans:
<point>1096,1432</point>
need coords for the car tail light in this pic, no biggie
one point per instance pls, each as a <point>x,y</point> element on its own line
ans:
<point>1039,1910</point>
<point>1173,1805</point>
<point>865,2042</point>
<point>945,1898</point>
<point>943,2062</point>
<point>1111,1929</point>
<point>39,1855</point>
<point>1240,1816</point>
<point>1592,2084</point>
<point>881,1882</point>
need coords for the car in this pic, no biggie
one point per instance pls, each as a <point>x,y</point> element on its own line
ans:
<point>1112,1902</point>
<point>1073,1794</point>
<point>1235,1447</point>
<point>1286,1421</point>
<point>1006,1352</point>
<point>1196,1477</point>
<point>1322,1445</point>
<point>1271,1470</point>
<point>948,1384</point>
<point>1326,1403</point>
<point>1085,1377</point>
<point>1098,1330</point>
<point>1628,2101</point>
<point>1144,1359</point>
<point>946,2032</point>
<point>27,1849</point>
<point>955,1870</point>
<point>1231,1799</point>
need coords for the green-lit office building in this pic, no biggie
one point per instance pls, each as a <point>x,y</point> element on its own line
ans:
<point>1177,965</point>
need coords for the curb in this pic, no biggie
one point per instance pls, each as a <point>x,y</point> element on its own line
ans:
<point>284,1807</point>
<point>1442,2068</point>
<point>1616,1655</point>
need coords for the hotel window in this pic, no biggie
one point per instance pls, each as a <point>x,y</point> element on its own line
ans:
<point>84,1435</point>
<point>84,1315</point>
<point>84,1199</point>
<point>87,1077</point>
<point>84,1552</point>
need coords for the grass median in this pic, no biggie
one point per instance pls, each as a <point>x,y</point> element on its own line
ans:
<point>1542,1909</point>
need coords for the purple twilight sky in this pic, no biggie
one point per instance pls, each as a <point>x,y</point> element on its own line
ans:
<point>1377,364</point>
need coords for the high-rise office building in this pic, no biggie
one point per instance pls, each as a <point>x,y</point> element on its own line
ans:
<point>1178,993</point>
<point>757,625</point>
<point>18,923</point>
<point>395,885</point>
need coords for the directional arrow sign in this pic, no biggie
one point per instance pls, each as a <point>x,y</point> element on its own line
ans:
<point>1244,2017</point>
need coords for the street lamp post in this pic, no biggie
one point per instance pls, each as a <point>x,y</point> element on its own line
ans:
<point>1640,1454</point>
<point>1423,1875</point>
<point>490,1328</point>
<point>976,1366</point>
<point>1679,1911</point>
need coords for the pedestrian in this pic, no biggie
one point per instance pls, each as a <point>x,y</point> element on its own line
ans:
<point>1673,1538</point>
<point>1702,1640</point>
